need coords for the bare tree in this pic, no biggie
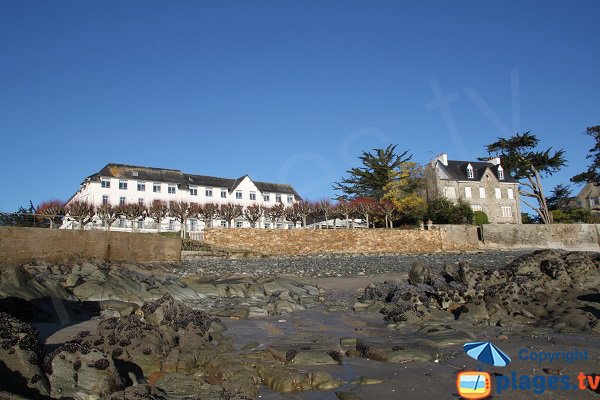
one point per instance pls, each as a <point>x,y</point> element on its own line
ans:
<point>325,208</point>
<point>132,212</point>
<point>365,207</point>
<point>158,210</point>
<point>82,211</point>
<point>345,210</point>
<point>181,211</point>
<point>387,209</point>
<point>229,212</point>
<point>207,212</point>
<point>304,209</point>
<point>292,213</point>
<point>253,214</point>
<point>107,214</point>
<point>275,213</point>
<point>51,210</point>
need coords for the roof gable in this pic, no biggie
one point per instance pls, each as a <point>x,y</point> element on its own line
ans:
<point>458,170</point>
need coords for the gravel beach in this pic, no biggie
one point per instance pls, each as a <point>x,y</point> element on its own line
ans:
<point>347,265</point>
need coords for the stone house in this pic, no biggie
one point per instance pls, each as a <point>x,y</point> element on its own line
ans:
<point>588,198</point>
<point>483,184</point>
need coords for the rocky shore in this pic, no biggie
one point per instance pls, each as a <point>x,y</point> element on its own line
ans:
<point>279,329</point>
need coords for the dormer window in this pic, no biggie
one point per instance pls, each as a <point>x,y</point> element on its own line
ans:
<point>500,173</point>
<point>134,173</point>
<point>470,171</point>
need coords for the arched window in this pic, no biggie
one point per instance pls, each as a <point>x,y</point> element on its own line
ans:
<point>500,173</point>
<point>470,171</point>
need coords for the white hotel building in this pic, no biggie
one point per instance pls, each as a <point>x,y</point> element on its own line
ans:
<point>123,184</point>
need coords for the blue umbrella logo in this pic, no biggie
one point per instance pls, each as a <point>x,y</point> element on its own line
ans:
<point>487,353</point>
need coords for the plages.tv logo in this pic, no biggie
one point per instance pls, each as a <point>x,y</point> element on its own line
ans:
<point>478,384</point>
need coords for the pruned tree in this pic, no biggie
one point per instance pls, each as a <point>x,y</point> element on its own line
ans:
<point>374,175</point>
<point>592,175</point>
<point>253,213</point>
<point>365,207</point>
<point>344,209</point>
<point>275,213</point>
<point>292,214</point>
<point>158,210</point>
<point>527,165</point>
<point>325,208</point>
<point>304,208</point>
<point>181,211</point>
<point>207,213</point>
<point>51,211</point>
<point>132,212</point>
<point>107,214</point>
<point>80,210</point>
<point>229,212</point>
<point>387,209</point>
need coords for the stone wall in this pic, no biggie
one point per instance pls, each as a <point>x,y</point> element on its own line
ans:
<point>309,241</point>
<point>581,237</point>
<point>24,245</point>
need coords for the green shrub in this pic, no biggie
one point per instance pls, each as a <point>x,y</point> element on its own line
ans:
<point>578,215</point>
<point>481,218</point>
<point>443,211</point>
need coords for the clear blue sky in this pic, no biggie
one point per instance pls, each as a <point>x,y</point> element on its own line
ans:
<point>284,91</point>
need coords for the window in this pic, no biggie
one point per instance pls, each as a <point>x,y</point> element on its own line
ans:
<point>121,222</point>
<point>171,189</point>
<point>208,192</point>
<point>477,207</point>
<point>252,195</point>
<point>279,226</point>
<point>266,198</point>
<point>140,224</point>
<point>290,199</point>
<point>171,225</point>
<point>500,173</point>
<point>482,193</point>
<point>593,201</point>
<point>122,184</point>
<point>141,201</point>
<point>122,201</point>
<point>141,186</point>
<point>134,173</point>
<point>105,183</point>
<point>498,193</point>
<point>238,194</point>
<point>470,171</point>
<point>278,198</point>
<point>193,225</point>
<point>449,192</point>
<point>468,192</point>
<point>580,203</point>
<point>507,211</point>
<point>193,191</point>
<point>239,224</point>
<point>105,200</point>
<point>511,194</point>
<point>156,188</point>
<point>223,194</point>
<point>223,223</point>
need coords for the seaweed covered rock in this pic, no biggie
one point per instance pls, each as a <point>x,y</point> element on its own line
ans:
<point>21,356</point>
<point>547,287</point>
<point>80,372</point>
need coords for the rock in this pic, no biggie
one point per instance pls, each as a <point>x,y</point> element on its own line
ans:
<point>20,359</point>
<point>314,357</point>
<point>79,372</point>
<point>363,380</point>
<point>139,392</point>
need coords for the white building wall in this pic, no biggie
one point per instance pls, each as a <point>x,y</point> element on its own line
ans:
<point>93,192</point>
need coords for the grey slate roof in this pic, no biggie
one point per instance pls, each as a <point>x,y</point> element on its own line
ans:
<point>184,180</point>
<point>458,170</point>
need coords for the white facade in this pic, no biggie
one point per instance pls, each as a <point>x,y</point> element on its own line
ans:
<point>135,185</point>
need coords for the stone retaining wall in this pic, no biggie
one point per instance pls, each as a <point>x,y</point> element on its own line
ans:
<point>576,237</point>
<point>309,241</point>
<point>24,245</point>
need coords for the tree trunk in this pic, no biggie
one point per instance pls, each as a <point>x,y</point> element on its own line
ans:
<point>304,221</point>
<point>367,215</point>
<point>158,227</point>
<point>51,223</point>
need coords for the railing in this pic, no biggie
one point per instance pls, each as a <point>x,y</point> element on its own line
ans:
<point>196,235</point>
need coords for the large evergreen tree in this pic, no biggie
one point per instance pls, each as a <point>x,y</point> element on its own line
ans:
<point>376,173</point>
<point>527,164</point>
<point>592,175</point>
